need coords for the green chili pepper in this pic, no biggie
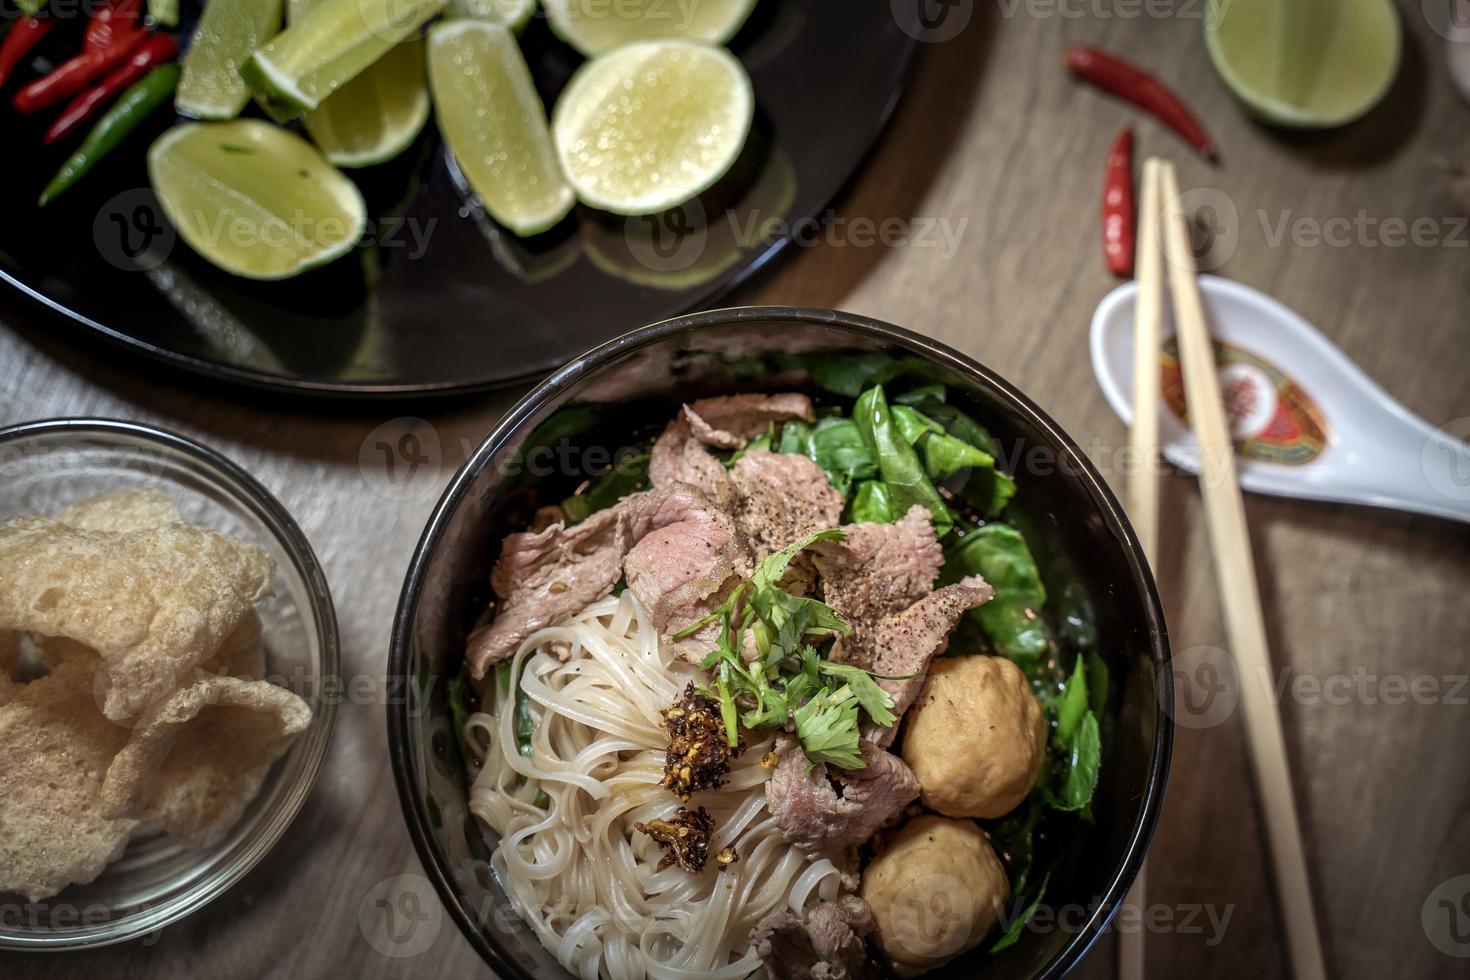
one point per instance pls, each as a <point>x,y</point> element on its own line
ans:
<point>136,104</point>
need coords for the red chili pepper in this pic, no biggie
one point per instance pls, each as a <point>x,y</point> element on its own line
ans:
<point>23,37</point>
<point>158,49</point>
<point>1126,81</point>
<point>73,75</point>
<point>111,24</point>
<point>1118,215</point>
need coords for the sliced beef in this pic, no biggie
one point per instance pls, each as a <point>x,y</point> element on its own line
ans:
<point>877,570</point>
<point>909,640</point>
<point>681,453</point>
<point>828,812</point>
<point>782,497</point>
<point>543,577</point>
<point>674,547</point>
<point>683,566</point>
<point>826,944</point>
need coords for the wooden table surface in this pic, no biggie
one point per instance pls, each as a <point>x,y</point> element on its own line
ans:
<point>994,144</point>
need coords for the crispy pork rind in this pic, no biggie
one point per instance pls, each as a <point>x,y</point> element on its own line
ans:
<point>122,510</point>
<point>153,603</point>
<point>197,760</point>
<point>56,751</point>
<point>243,652</point>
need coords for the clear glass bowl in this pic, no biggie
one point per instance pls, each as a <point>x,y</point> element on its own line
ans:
<point>47,465</point>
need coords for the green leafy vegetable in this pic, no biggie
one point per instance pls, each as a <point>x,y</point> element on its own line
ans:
<point>629,474</point>
<point>988,490</point>
<point>1079,778</point>
<point>524,721</point>
<point>871,504</point>
<point>1011,620</point>
<point>1073,705</point>
<point>834,444</point>
<point>459,712</point>
<point>898,464</point>
<point>1019,922</point>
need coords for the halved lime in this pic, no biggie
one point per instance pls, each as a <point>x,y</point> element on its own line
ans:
<point>378,114</point>
<point>1305,63</point>
<point>514,14</point>
<point>254,199</point>
<point>495,125</point>
<point>595,26</point>
<point>228,32</point>
<point>334,42</point>
<point>652,124</point>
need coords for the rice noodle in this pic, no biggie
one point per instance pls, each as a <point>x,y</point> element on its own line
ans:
<point>578,873</point>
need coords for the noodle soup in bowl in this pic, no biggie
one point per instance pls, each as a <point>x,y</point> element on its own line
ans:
<point>531,748</point>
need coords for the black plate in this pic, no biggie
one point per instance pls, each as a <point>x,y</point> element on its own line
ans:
<point>472,307</point>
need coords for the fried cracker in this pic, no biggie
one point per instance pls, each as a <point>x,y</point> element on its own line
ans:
<point>198,759</point>
<point>55,750</point>
<point>137,509</point>
<point>153,603</point>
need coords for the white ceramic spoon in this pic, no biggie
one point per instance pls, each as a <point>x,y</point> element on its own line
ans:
<point>1373,451</point>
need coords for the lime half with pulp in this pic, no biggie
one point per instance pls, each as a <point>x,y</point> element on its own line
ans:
<point>650,125</point>
<point>229,31</point>
<point>495,125</point>
<point>595,26</point>
<point>254,199</point>
<point>1305,64</point>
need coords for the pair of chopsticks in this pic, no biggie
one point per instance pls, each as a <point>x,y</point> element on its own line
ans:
<point>1164,248</point>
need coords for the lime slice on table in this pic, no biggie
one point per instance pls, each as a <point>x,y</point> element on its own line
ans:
<point>333,43</point>
<point>375,116</point>
<point>254,199</point>
<point>228,32</point>
<point>1305,63</point>
<point>652,124</point>
<point>495,125</point>
<point>595,26</point>
<point>515,14</point>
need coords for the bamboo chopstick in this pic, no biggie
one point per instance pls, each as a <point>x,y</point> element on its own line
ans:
<point>1143,486</point>
<point>1235,576</point>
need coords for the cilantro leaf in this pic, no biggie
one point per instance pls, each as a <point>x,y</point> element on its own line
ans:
<point>877,702</point>
<point>827,727</point>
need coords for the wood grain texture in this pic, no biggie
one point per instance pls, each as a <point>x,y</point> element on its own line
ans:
<point>994,140</point>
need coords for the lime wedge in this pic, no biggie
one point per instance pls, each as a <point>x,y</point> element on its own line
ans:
<point>495,125</point>
<point>595,26</point>
<point>1305,63</point>
<point>652,124</point>
<point>333,42</point>
<point>376,115</point>
<point>515,14</point>
<point>254,199</point>
<point>228,32</point>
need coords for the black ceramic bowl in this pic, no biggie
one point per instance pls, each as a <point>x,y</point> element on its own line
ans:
<point>568,428</point>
